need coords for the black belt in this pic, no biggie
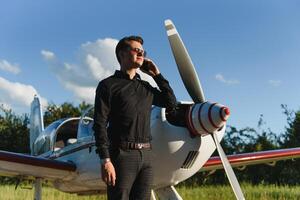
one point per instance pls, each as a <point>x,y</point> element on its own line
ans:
<point>134,145</point>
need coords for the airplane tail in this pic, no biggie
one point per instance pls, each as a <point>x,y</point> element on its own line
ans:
<point>36,121</point>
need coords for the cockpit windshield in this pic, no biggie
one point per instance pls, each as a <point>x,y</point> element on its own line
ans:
<point>66,133</point>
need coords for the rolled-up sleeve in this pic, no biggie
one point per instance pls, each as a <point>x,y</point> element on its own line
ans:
<point>101,117</point>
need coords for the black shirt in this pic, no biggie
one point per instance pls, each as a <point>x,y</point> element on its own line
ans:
<point>123,109</point>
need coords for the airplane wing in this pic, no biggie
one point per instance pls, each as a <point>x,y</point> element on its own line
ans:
<point>241,160</point>
<point>29,167</point>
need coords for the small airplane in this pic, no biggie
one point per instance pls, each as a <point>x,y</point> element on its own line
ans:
<point>64,152</point>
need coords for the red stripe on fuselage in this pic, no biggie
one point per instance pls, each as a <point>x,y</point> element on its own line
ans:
<point>247,157</point>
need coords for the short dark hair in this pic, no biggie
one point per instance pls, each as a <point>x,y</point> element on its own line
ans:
<point>124,43</point>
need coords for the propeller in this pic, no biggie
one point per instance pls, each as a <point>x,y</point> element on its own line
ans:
<point>192,84</point>
<point>184,64</point>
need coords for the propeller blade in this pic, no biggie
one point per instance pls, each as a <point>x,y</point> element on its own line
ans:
<point>184,64</point>
<point>228,169</point>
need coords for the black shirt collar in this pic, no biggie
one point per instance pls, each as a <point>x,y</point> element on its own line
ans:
<point>124,75</point>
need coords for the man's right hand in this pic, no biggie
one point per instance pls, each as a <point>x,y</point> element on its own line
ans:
<point>108,173</point>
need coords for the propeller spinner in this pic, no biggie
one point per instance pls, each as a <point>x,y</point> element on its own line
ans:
<point>202,118</point>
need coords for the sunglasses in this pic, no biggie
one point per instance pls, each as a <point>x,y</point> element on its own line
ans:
<point>138,51</point>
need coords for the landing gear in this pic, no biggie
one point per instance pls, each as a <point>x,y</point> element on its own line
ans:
<point>169,193</point>
<point>38,189</point>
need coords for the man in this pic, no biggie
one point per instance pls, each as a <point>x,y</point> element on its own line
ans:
<point>122,122</point>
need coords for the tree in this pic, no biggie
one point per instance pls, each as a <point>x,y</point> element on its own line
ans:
<point>14,134</point>
<point>54,112</point>
<point>289,169</point>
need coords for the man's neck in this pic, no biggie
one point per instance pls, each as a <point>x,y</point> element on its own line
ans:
<point>131,72</point>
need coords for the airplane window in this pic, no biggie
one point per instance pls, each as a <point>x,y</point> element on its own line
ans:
<point>42,145</point>
<point>52,127</point>
<point>71,141</point>
<point>59,144</point>
<point>86,123</point>
<point>66,133</point>
<point>85,128</point>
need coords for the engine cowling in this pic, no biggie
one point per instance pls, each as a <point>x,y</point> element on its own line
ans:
<point>206,118</point>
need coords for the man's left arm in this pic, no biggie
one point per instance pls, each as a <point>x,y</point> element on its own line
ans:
<point>165,96</point>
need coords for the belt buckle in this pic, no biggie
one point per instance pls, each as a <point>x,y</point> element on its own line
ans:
<point>139,146</point>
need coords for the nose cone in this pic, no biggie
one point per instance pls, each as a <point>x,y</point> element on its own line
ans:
<point>225,112</point>
<point>205,118</point>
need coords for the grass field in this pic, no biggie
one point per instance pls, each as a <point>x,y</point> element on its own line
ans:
<point>260,192</point>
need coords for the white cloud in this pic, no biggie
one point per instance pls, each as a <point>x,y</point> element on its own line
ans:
<point>95,61</point>
<point>17,95</point>
<point>221,78</point>
<point>83,93</point>
<point>6,106</point>
<point>275,83</point>
<point>6,66</point>
<point>96,67</point>
<point>48,55</point>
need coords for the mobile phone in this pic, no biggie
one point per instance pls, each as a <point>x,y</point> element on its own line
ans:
<point>145,66</point>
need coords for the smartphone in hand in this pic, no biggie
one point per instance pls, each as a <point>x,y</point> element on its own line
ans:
<point>145,66</point>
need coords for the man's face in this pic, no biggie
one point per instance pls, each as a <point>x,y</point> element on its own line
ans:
<point>133,56</point>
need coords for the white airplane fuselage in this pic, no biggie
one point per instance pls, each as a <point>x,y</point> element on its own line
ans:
<point>177,156</point>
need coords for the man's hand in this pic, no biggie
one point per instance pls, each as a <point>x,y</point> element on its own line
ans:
<point>152,69</point>
<point>108,173</point>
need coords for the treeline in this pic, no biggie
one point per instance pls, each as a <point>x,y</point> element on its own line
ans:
<point>14,129</point>
<point>14,136</point>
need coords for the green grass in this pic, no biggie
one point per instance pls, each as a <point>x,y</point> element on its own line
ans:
<point>259,192</point>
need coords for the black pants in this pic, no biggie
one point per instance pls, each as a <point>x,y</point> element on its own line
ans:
<point>134,175</point>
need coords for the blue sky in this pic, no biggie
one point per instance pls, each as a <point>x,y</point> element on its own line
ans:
<point>246,53</point>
